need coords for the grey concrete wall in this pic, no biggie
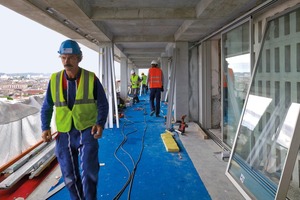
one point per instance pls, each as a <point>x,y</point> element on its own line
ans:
<point>181,83</point>
<point>215,85</point>
<point>193,82</point>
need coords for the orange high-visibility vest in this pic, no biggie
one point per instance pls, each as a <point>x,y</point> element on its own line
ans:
<point>155,75</point>
<point>229,77</point>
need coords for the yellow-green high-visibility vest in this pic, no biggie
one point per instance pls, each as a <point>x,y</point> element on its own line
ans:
<point>144,78</point>
<point>135,81</point>
<point>84,111</point>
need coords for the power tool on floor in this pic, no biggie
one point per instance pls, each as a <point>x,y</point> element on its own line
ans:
<point>182,125</point>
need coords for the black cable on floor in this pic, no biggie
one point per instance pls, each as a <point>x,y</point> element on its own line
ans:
<point>135,164</point>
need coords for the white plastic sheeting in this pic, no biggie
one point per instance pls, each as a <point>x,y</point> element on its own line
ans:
<point>20,126</point>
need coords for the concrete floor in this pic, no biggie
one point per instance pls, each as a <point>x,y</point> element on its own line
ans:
<point>205,155</point>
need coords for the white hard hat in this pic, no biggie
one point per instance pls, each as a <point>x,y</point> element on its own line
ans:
<point>132,71</point>
<point>153,62</point>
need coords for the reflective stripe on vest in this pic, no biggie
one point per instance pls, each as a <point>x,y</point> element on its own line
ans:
<point>155,75</point>
<point>84,111</point>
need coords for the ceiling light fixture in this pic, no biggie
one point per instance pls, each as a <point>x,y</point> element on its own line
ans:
<point>50,10</point>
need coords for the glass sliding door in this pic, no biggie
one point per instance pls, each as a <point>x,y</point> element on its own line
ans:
<point>236,77</point>
<point>267,142</point>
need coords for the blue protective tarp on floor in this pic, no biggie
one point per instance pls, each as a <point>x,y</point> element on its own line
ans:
<point>135,154</point>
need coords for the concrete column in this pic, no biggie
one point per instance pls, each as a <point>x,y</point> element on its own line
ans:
<point>215,86</point>
<point>124,77</point>
<point>107,79</point>
<point>205,89</point>
<point>181,81</point>
<point>164,68</point>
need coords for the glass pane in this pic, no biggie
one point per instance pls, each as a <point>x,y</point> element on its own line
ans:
<point>236,78</point>
<point>270,115</point>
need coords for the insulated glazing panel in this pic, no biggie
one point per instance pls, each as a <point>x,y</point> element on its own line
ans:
<point>235,77</point>
<point>270,117</point>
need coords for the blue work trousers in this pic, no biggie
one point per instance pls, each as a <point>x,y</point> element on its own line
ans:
<point>77,154</point>
<point>155,93</point>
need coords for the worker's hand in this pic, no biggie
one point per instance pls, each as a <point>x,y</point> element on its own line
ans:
<point>46,135</point>
<point>162,88</point>
<point>97,131</point>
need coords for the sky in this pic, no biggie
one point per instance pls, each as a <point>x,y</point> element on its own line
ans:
<point>27,46</point>
<point>240,63</point>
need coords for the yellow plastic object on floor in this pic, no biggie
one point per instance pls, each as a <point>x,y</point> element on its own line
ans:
<point>169,142</point>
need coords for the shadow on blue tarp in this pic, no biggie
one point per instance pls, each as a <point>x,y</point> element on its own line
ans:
<point>136,165</point>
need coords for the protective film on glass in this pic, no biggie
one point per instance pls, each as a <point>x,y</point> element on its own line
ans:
<point>271,111</point>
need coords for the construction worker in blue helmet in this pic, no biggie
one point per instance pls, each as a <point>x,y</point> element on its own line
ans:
<point>81,112</point>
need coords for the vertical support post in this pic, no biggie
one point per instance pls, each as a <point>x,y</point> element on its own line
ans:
<point>124,78</point>
<point>103,76</point>
<point>108,80</point>
<point>205,85</point>
<point>164,68</point>
<point>114,85</point>
<point>172,89</point>
<point>182,82</point>
<point>109,87</point>
<point>100,64</point>
<point>168,79</point>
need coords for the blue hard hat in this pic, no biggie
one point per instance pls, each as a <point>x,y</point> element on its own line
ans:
<point>69,47</point>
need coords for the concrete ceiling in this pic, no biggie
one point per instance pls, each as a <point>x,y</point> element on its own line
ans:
<point>139,29</point>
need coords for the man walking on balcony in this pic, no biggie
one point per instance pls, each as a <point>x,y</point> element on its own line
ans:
<point>155,82</point>
<point>144,84</point>
<point>135,85</point>
<point>81,111</point>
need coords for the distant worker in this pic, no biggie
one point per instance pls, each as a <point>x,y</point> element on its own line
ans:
<point>144,84</point>
<point>155,82</point>
<point>81,111</point>
<point>228,87</point>
<point>135,85</point>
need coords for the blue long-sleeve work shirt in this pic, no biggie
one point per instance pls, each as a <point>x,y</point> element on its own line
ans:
<point>69,95</point>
